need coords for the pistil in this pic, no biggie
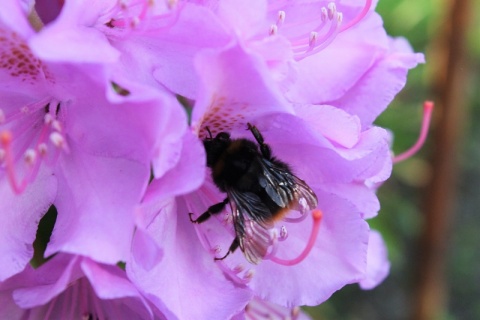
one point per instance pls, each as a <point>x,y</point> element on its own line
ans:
<point>427,116</point>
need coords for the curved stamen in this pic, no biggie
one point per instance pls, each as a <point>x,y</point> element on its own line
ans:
<point>296,220</point>
<point>360,16</point>
<point>319,40</point>
<point>6,143</point>
<point>274,246</point>
<point>281,17</point>
<point>317,218</point>
<point>273,30</point>
<point>427,116</point>
<point>317,44</point>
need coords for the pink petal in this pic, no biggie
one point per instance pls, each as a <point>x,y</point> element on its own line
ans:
<point>169,50</point>
<point>77,43</point>
<point>388,73</point>
<point>196,287</point>
<point>74,29</point>
<point>236,87</point>
<point>186,176</point>
<point>19,219</point>
<point>14,17</point>
<point>50,281</point>
<point>327,75</point>
<point>245,17</point>
<point>94,193</point>
<point>378,265</point>
<point>335,124</point>
<point>338,258</point>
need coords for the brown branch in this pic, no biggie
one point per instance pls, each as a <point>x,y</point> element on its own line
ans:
<point>431,294</point>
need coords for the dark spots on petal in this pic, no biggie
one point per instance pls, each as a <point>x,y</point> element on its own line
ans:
<point>18,60</point>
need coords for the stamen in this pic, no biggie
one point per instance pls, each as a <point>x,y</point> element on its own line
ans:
<point>42,149</point>
<point>5,138</point>
<point>6,142</point>
<point>332,9</point>
<point>238,268</point>
<point>273,30</point>
<point>295,312</point>
<point>318,39</point>
<point>361,15</point>
<point>281,17</point>
<point>216,250</point>
<point>427,116</point>
<point>273,245</point>
<point>317,218</point>
<point>302,217</point>
<point>134,22</point>
<point>30,156</point>
<point>48,119</point>
<point>283,233</point>
<point>172,4</point>
<point>248,276</point>
<point>324,14</point>
<point>58,140</point>
<point>313,39</point>
<point>56,125</point>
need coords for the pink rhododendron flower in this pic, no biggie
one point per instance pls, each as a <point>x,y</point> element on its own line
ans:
<point>73,287</point>
<point>335,162</point>
<point>68,140</point>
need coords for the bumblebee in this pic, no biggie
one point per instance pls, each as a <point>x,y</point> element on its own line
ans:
<point>260,190</point>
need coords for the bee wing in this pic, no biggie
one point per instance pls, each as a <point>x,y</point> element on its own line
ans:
<point>286,189</point>
<point>251,226</point>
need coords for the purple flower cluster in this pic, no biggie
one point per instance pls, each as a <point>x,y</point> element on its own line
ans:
<point>104,106</point>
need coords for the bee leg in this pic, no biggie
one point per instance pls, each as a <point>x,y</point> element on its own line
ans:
<point>264,148</point>
<point>235,244</point>
<point>216,208</point>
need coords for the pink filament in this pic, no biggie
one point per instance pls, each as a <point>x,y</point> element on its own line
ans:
<point>427,116</point>
<point>360,16</point>
<point>6,141</point>
<point>317,218</point>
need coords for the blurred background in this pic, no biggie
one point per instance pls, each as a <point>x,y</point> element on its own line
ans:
<point>430,207</point>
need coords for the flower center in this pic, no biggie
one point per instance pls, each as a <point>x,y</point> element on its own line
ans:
<point>313,29</point>
<point>29,136</point>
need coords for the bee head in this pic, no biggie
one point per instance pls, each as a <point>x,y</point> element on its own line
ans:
<point>214,147</point>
